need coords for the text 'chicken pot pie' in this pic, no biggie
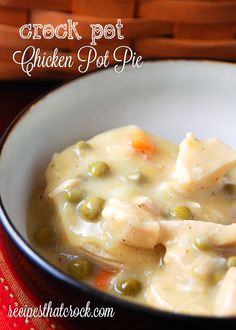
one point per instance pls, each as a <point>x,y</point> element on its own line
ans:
<point>142,218</point>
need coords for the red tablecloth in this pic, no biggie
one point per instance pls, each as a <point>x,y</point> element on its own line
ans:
<point>13,292</point>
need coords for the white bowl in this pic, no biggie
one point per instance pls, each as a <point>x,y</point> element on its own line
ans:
<point>168,98</point>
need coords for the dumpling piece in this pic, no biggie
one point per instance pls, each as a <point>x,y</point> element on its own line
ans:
<point>131,223</point>
<point>202,163</point>
<point>220,235</point>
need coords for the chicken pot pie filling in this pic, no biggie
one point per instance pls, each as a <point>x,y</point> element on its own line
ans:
<point>144,219</point>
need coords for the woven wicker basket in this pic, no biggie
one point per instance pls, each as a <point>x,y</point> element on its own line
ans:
<point>153,28</point>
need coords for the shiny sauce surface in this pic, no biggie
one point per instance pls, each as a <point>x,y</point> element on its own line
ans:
<point>140,217</point>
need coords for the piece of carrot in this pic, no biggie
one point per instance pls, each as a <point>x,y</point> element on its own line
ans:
<point>103,279</point>
<point>140,141</point>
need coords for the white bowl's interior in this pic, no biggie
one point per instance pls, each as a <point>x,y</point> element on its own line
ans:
<point>167,98</point>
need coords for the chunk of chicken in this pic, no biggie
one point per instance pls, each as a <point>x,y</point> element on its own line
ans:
<point>63,186</point>
<point>221,235</point>
<point>131,224</point>
<point>147,204</point>
<point>202,163</point>
<point>187,271</point>
<point>134,225</point>
<point>225,303</point>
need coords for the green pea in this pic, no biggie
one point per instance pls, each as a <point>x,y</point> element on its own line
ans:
<point>231,262</point>
<point>129,287</point>
<point>79,268</point>
<point>230,189</point>
<point>182,213</point>
<point>91,208</point>
<point>75,195</point>
<point>45,235</point>
<point>203,243</point>
<point>98,169</point>
<point>83,146</point>
<point>135,176</point>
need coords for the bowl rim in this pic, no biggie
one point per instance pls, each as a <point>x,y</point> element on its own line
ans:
<point>39,261</point>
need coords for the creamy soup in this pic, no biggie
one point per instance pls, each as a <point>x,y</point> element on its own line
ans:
<point>143,218</point>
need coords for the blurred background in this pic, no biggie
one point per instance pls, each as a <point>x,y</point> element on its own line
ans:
<point>155,29</point>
